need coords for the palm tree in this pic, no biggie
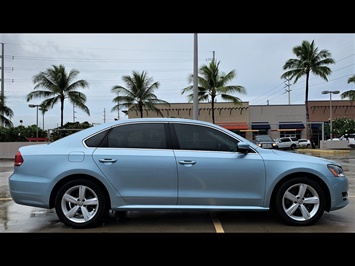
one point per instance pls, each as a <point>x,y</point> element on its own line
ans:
<point>56,85</point>
<point>212,83</point>
<point>351,93</point>
<point>5,113</point>
<point>309,60</point>
<point>43,111</point>
<point>139,93</point>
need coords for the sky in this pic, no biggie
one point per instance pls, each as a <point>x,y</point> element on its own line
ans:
<point>102,59</point>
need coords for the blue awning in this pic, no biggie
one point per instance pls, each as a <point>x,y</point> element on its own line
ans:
<point>316,125</point>
<point>291,125</point>
<point>260,125</point>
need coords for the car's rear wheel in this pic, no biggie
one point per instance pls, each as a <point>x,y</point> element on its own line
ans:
<point>300,201</point>
<point>80,204</point>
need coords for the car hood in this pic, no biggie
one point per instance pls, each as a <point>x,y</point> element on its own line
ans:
<point>293,156</point>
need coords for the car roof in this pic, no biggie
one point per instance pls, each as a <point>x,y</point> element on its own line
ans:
<point>162,119</point>
<point>147,119</point>
<point>97,128</point>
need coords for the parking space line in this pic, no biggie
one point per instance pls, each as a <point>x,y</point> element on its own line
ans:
<point>216,223</point>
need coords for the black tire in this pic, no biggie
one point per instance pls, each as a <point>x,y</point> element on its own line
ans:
<point>85,211</point>
<point>293,147</point>
<point>300,201</point>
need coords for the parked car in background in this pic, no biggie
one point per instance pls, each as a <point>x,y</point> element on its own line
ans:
<point>351,140</point>
<point>264,141</point>
<point>304,143</point>
<point>287,143</point>
<point>172,164</point>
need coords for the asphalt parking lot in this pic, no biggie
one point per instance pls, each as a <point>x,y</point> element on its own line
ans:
<point>16,218</point>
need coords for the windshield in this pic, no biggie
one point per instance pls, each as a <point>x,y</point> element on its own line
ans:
<point>263,138</point>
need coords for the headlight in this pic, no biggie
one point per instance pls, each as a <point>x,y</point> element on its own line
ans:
<point>336,170</point>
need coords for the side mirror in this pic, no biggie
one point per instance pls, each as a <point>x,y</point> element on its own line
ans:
<point>243,147</point>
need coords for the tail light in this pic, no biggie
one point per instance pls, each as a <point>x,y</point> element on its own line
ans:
<point>18,159</point>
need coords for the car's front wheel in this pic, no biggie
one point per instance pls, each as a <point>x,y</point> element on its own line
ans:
<point>80,204</point>
<point>300,201</point>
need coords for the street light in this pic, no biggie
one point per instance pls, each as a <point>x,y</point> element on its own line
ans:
<point>35,106</point>
<point>330,109</point>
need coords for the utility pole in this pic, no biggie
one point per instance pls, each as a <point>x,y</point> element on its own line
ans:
<point>2,75</point>
<point>288,90</point>
<point>2,70</point>
<point>195,93</point>
<point>213,57</point>
<point>118,108</point>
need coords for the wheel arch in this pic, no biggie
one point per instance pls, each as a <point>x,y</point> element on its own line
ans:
<point>313,177</point>
<point>74,177</point>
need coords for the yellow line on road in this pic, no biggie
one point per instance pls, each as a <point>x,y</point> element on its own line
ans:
<point>217,224</point>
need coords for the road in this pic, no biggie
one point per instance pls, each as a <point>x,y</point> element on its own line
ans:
<point>16,218</point>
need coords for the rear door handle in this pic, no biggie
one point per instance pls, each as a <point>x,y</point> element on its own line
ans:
<point>106,160</point>
<point>187,162</point>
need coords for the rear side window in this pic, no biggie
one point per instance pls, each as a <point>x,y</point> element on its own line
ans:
<point>145,135</point>
<point>95,141</point>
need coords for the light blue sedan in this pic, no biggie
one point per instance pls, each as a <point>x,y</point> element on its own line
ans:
<point>172,164</point>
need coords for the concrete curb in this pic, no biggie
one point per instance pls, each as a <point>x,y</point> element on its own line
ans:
<point>322,151</point>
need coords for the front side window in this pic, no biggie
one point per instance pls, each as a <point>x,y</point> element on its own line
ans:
<point>193,137</point>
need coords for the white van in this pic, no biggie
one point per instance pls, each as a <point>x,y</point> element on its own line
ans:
<point>351,140</point>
